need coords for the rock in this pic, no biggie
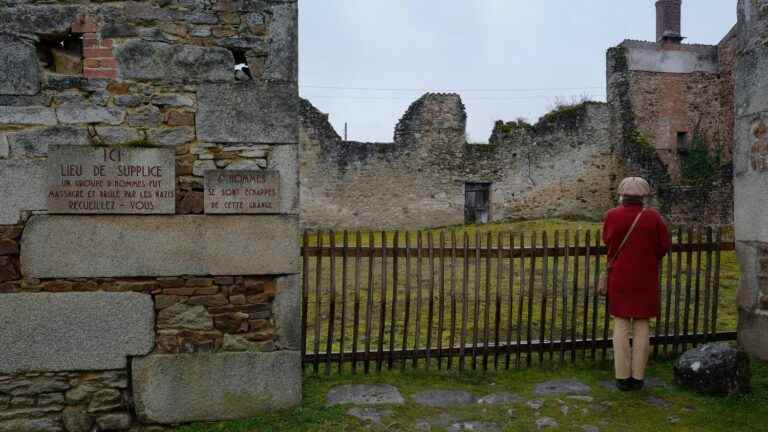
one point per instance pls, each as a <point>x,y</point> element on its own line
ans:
<point>368,414</point>
<point>78,113</point>
<point>75,419</point>
<point>239,344</point>
<point>442,420</point>
<point>146,116</point>
<point>546,422</point>
<point>561,387</point>
<point>81,393</point>
<point>535,404</point>
<point>144,60</point>
<point>220,386</point>
<point>27,115</point>
<point>173,100</point>
<point>502,398</point>
<point>252,164</point>
<point>588,399</point>
<point>35,142</point>
<point>41,424</point>
<point>672,419</point>
<point>658,402</point>
<point>87,331</point>
<point>364,394</point>
<point>251,111</point>
<point>114,422</point>
<point>105,400</point>
<point>45,19</point>
<point>118,135</point>
<point>590,428</point>
<point>444,398</point>
<point>171,136</point>
<point>50,399</point>
<point>478,426</point>
<point>202,166</point>
<point>129,101</point>
<point>18,66</point>
<point>185,316</point>
<point>159,246</point>
<point>715,368</point>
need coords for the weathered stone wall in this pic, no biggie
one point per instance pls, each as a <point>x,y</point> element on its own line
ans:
<point>657,90</point>
<point>419,179</point>
<point>751,174</point>
<point>91,295</point>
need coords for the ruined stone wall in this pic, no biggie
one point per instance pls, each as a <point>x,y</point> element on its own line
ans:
<point>659,90</point>
<point>419,179</point>
<point>751,174</point>
<point>103,311</point>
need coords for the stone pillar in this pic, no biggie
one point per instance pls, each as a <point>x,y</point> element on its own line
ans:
<point>668,19</point>
<point>751,174</point>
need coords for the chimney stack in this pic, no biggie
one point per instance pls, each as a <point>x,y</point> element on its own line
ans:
<point>668,18</point>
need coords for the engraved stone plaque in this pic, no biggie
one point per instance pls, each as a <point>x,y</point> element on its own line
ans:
<point>111,180</point>
<point>242,192</point>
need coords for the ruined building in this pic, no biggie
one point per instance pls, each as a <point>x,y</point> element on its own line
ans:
<point>669,117</point>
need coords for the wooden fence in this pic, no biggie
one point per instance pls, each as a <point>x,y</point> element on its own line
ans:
<point>491,300</point>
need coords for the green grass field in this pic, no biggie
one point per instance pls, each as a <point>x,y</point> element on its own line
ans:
<point>475,312</point>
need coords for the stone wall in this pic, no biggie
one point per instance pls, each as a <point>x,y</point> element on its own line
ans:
<point>419,179</point>
<point>657,91</point>
<point>91,293</point>
<point>751,174</point>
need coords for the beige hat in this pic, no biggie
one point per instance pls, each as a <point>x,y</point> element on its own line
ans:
<point>634,186</point>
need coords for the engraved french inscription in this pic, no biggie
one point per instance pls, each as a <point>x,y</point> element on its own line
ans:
<point>242,192</point>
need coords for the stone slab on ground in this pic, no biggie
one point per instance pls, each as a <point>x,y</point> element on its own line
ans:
<point>74,331</point>
<point>364,394</point>
<point>501,398</point>
<point>368,414</point>
<point>444,398</point>
<point>171,389</point>
<point>561,387</point>
<point>546,423</point>
<point>125,246</point>
<point>475,426</point>
<point>24,187</point>
<point>715,368</point>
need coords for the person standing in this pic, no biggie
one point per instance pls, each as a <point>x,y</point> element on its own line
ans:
<point>637,239</point>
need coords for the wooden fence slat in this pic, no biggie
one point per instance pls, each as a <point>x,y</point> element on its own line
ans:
<point>332,303</point>
<point>383,301</point>
<point>344,262</point>
<point>531,286</point>
<point>452,340</point>
<point>393,323</point>
<point>356,319</point>
<point>555,274</point>
<point>304,294</point>
<point>510,303</point>
<point>476,315</point>
<point>441,306</point>
<point>688,287</point>
<point>678,293</point>
<point>564,324</point>
<point>668,303</point>
<point>497,314</point>
<point>419,274</point>
<point>588,244</point>
<point>318,283</point>
<point>407,313</point>
<point>716,287</point>
<point>697,296</point>
<point>521,298</point>
<point>606,311</point>
<point>657,327</point>
<point>369,303</point>
<point>544,297</point>
<point>430,316</point>
<point>487,302</point>
<point>575,294</point>
<point>464,303</point>
<point>708,288</point>
<point>595,298</point>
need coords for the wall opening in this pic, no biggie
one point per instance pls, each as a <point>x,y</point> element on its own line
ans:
<point>62,54</point>
<point>477,203</point>
<point>682,142</point>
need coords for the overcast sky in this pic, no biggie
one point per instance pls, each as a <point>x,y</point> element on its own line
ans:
<point>365,61</point>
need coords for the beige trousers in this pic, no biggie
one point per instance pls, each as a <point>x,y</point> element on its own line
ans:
<point>630,362</point>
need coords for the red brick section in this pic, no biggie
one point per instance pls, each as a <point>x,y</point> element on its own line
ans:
<point>99,61</point>
<point>9,257</point>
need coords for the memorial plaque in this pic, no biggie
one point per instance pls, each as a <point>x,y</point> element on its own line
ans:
<point>242,192</point>
<point>111,180</point>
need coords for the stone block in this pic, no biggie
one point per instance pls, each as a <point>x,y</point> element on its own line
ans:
<point>753,336</point>
<point>282,60</point>
<point>76,112</point>
<point>159,246</point>
<point>210,387</point>
<point>253,111</point>
<point>19,67</point>
<point>5,149</point>
<point>118,135</point>
<point>35,142</point>
<point>171,136</point>
<point>27,115</point>
<point>24,187</point>
<point>44,19</point>
<point>85,331</point>
<point>287,309</point>
<point>144,60</point>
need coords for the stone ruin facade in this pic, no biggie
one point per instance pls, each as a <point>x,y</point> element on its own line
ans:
<point>664,97</point>
<point>149,230</point>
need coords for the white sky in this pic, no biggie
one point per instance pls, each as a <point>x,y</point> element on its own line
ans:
<point>507,58</point>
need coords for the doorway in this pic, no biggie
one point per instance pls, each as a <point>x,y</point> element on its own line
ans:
<point>477,198</point>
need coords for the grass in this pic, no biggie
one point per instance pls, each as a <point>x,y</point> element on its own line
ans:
<point>481,297</point>
<point>620,412</point>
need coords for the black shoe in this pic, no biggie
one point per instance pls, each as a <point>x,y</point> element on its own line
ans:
<point>624,384</point>
<point>637,384</point>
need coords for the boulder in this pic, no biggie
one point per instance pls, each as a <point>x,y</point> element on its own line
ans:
<point>715,368</point>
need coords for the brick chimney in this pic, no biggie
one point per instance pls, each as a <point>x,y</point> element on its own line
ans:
<point>668,18</point>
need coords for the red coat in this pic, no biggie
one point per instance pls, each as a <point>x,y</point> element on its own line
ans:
<point>633,284</point>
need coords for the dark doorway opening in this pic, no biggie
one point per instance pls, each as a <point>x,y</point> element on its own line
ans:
<point>477,200</point>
